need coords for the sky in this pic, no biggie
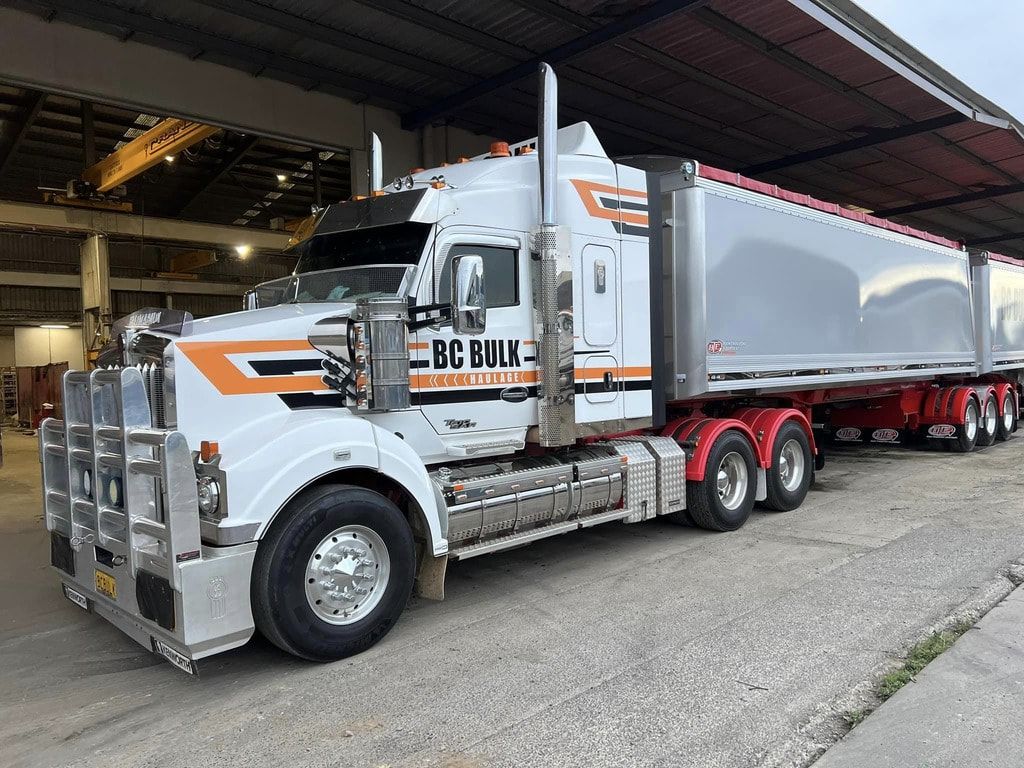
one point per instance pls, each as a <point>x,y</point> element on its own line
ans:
<point>979,41</point>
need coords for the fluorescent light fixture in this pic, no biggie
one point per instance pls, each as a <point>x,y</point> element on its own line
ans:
<point>282,177</point>
<point>54,327</point>
<point>243,250</point>
<point>169,158</point>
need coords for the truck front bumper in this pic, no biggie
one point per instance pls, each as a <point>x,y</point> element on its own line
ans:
<point>121,506</point>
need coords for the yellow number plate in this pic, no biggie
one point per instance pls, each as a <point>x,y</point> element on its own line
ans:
<point>106,585</point>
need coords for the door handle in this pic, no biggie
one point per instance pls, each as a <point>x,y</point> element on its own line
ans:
<point>609,381</point>
<point>514,394</point>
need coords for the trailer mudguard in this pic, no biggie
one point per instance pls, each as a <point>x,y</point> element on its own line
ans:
<point>702,432</point>
<point>765,424</point>
<point>948,405</point>
<point>315,443</point>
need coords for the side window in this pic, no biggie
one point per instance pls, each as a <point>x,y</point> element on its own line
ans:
<point>501,274</point>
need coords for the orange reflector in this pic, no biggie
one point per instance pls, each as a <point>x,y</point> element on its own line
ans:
<point>208,449</point>
<point>358,197</point>
<point>378,193</point>
<point>500,149</point>
<point>437,184</point>
<point>458,487</point>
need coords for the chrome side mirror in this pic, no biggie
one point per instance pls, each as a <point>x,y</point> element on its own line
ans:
<point>469,298</point>
<point>249,299</point>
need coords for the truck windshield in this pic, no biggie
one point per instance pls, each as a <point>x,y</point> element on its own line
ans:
<point>345,266</point>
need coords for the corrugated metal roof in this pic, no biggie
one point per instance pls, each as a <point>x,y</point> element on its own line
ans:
<point>731,82</point>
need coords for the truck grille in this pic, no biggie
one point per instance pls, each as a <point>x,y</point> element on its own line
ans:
<point>153,379</point>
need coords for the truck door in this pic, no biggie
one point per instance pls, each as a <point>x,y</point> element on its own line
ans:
<point>479,388</point>
<point>598,353</point>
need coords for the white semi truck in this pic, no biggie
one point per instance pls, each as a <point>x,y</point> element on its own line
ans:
<point>481,355</point>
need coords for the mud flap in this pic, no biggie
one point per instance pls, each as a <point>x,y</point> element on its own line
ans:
<point>430,576</point>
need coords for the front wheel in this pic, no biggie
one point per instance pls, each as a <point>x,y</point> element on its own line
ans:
<point>333,574</point>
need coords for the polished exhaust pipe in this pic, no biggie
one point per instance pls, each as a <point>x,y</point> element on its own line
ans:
<point>547,145</point>
<point>376,163</point>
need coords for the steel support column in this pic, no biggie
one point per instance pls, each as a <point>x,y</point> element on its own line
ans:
<point>97,310</point>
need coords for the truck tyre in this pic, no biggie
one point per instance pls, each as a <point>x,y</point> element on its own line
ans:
<point>989,424</point>
<point>967,433</point>
<point>789,476</point>
<point>333,573</point>
<point>722,501</point>
<point>1007,416</point>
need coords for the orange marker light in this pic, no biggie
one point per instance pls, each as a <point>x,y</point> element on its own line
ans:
<point>462,160</point>
<point>416,170</point>
<point>378,193</point>
<point>525,150</point>
<point>437,184</point>
<point>500,149</point>
<point>208,449</point>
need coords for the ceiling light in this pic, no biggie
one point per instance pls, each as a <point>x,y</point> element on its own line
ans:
<point>282,177</point>
<point>169,158</point>
<point>54,327</point>
<point>243,250</point>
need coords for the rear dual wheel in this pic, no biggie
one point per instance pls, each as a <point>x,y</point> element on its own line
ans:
<point>988,428</point>
<point>723,500</point>
<point>789,477</point>
<point>967,433</point>
<point>1007,416</point>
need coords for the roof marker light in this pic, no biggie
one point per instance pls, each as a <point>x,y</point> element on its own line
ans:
<point>500,149</point>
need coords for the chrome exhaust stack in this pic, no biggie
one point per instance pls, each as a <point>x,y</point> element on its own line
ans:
<point>552,284</point>
<point>375,165</point>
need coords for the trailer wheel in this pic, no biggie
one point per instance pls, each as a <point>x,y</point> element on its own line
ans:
<point>333,573</point>
<point>722,501</point>
<point>789,476</point>
<point>988,427</point>
<point>967,433</point>
<point>1007,416</point>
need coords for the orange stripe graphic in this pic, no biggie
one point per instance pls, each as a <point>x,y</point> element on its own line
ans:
<point>587,191</point>
<point>628,372</point>
<point>211,358</point>
<point>419,345</point>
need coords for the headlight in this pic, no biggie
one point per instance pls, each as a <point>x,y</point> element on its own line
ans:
<point>114,491</point>
<point>209,495</point>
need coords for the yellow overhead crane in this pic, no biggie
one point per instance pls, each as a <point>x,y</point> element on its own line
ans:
<point>165,139</point>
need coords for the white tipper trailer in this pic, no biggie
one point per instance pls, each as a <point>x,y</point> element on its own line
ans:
<point>481,355</point>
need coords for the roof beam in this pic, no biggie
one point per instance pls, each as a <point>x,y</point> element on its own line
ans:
<point>143,284</point>
<point>945,202</point>
<point>1000,238</point>
<point>871,139</point>
<point>33,105</point>
<point>222,169</point>
<point>130,227</point>
<point>577,46</point>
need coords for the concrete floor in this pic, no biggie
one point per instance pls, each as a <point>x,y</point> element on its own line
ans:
<point>645,645</point>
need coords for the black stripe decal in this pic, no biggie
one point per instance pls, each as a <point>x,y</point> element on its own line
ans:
<point>419,363</point>
<point>298,400</point>
<point>630,229</point>
<point>583,388</point>
<point>463,396</point>
<point>285,367</point>
<point>625,205</point>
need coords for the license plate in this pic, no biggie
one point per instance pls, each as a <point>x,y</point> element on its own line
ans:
<point>181,661</point>
<point>76,597</point>
<point>106,584</point>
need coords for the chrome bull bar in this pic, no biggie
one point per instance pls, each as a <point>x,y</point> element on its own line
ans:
<point>123,495</point>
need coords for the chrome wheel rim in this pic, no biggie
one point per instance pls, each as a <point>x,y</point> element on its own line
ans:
<point>732,480</point>
<point>347,574</point>
<point>791,465</point>
<point>971,421</point>
<point>991,416</point>
<point>1008,413</point>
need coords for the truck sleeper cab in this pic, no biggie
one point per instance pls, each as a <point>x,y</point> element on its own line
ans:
<point>532,342</point>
